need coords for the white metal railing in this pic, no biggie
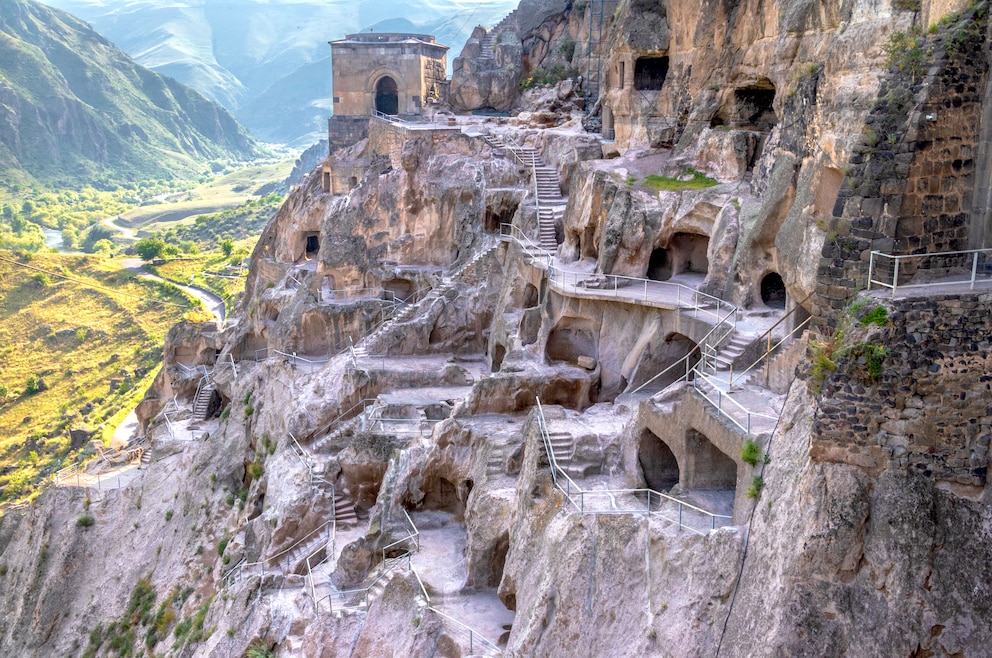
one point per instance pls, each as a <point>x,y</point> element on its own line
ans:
<point>532,249</point>
<point>351,414</point>
<point>359,598</point>
<point>968,270</point>
<point>723,398</point>
<point>635,289</point>
<point>478,645</point>
<point>244,569</point>
<point>388,118</point>
<point>577,496</point>
<point>767,338</point>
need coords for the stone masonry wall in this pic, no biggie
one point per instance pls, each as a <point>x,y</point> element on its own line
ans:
<point>908,187</point>
<point>931,411</point>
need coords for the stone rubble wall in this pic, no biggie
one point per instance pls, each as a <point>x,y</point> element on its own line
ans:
<point>931,413</point>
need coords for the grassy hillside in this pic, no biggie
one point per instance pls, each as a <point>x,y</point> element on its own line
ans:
<point>74,108</point>
<point>74,355</point>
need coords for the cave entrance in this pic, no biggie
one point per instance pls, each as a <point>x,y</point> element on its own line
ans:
<point>773,290</point>
<point>569,340</point>
<point>441,494</point>
<point>754,107</point>
<point>387,100</point>
<point>708,468</point>
<point>499,353</point>
<point>650,73</point>
<point>398,288</point>
<point>660,265</point>
<point>497,560</point>
<point>688,253</point>
<point>311,244</point>
<point>657,461</point>
<point>496,217</point>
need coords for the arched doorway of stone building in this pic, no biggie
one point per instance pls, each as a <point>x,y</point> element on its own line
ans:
<point>387,98</point>
<point>657,462</point>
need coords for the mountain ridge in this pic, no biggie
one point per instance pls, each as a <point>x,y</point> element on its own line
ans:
<point>74,107</point>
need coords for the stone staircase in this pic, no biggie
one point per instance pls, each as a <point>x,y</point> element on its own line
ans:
<point>146,457</point>
<point>550,202</point>
<point>563,447</point>
<point>488,46</point>
<point>201,403</point>
<point>361,350</point>
<point>726,354</point>
<point>330,437</point>
<point>344,509</point>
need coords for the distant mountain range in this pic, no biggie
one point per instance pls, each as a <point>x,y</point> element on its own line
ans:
<point>268,61</point>
<point>74,108</point>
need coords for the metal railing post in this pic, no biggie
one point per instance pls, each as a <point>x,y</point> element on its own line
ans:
<point>895,277</point>
<point>974,269</point>
<point>871,268</point>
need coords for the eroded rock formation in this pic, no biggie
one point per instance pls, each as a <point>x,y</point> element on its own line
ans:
<point>432,421</point>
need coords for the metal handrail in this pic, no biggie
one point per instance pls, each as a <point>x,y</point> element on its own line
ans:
<point>414,535</point>
<point>524,242</point>
<point>721,395</point>
<point>243,565</point>
<point>388,118</point>
<point>570,486</point>
<point>685,359</point>
<point>894,285</point>
<point>363,403</point>
<point>769,349</point>
<point>473,635</point>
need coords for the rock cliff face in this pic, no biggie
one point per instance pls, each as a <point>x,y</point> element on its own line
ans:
<point>441,428</point>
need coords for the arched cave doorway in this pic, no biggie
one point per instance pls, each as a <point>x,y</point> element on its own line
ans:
<point>660,265</point>
<point>311,244</point>
<point>687,252</point>
<point>570,339</point>
<point>398,289</point>
<point>657,461</point>
<point>754,107</point>
<point>387,99</point>
<point>441,494</point>
<point>707,467</point>
<point>650,73</point>
<point>773,290</point>
<point>499,353</point>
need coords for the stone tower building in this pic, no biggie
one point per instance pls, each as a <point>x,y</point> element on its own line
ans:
<point>392,73</point>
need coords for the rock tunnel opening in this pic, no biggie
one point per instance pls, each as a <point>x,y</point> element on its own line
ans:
<point>754,107</point>
<point>773,290</point>
<point>570,340</point>
<point>687,253</point>
<point>657,461</point>
<point>497,216</point>
<point>659,265</point>
<point>441,494</point>
<point>497,560</point>
<point>311,244</point>
<point>397,288</point>
<point>387,98</point>
<point>499,353</point>
<point>707,468</point>
<point>650,73</point>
